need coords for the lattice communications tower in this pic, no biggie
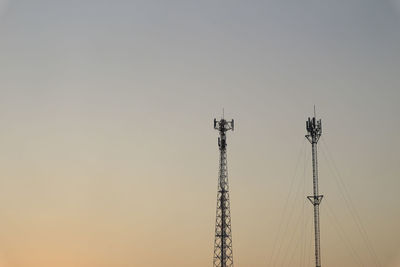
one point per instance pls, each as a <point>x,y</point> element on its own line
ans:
<point>223,256</point>
<point>314,131</point>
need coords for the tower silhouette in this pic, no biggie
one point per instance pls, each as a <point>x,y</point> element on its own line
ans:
<point>314,131</point>
<point>223,255</point>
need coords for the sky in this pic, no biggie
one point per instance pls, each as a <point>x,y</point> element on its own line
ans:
<point>108,153</point>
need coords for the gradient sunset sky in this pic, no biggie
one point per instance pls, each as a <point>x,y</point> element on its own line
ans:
<point>108,156</point>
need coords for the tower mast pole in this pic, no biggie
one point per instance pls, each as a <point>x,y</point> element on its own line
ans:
<point>223,256</point>
<point>314,131</point>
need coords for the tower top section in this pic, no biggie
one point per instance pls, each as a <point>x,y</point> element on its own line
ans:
<point>223,125</point>
<point>314,129</point>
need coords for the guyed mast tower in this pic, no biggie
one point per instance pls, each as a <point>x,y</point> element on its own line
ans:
<point>223,256</point>
<point>314,131</point>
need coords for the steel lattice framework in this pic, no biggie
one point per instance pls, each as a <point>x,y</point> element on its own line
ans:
<point>223,255</point>
<point>314,131</point>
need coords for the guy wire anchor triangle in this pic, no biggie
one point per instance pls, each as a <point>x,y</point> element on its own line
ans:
<point>315,200</point>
